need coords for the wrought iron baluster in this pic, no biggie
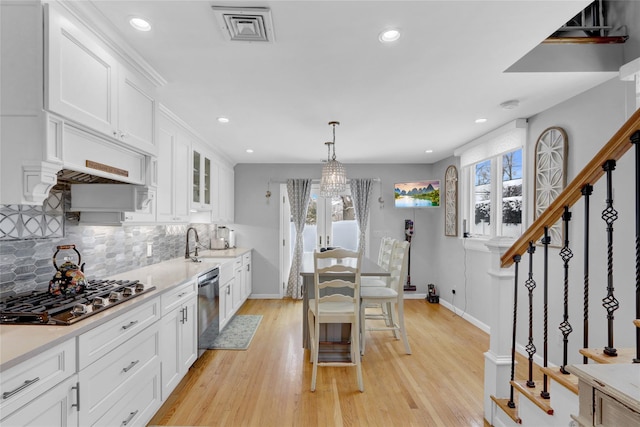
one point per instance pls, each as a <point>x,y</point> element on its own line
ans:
<point>566,254</point>
<point>545,241</point>
<point>587,190</point>
<point>610,215</point>
<point>516,260</point>
<point>635,139</point>
<point>530,284</point>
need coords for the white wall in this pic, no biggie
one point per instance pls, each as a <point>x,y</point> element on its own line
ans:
<point>257,219</point>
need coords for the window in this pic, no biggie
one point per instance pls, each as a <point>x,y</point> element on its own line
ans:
<point>492,190</point>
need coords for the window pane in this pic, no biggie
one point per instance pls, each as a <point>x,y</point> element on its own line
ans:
<point>482,198</point>
<point>512,194</point>
<point>343,223</point>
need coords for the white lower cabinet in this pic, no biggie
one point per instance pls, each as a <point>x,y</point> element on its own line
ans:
<point>247,280</point>
<point>179,335</point>
<point>41,390</point>
<point>57,407</point>
<point>104,382</point>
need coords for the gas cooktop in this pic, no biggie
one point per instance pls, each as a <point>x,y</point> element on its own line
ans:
<point>42,308</point>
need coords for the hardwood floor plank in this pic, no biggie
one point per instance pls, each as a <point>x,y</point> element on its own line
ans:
<point>440,384</point>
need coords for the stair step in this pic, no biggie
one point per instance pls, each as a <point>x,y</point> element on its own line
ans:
<point>569,381</point>
<point>533,394</point>
<point>636,322</point>
<point>511,412</point>
<point>625,355</point>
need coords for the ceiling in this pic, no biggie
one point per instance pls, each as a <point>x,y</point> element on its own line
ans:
<point>394,102</point>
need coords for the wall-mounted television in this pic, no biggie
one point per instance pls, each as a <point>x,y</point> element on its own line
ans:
<point>417,194</point>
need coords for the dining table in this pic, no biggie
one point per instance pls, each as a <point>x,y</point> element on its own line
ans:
<point>334,337</point>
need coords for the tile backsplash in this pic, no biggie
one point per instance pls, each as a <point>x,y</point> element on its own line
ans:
<point>26,263</point>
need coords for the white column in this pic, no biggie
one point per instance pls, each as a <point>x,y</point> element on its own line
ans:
<point>497,361</point>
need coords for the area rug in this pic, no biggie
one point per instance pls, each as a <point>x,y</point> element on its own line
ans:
<point>238,333</point>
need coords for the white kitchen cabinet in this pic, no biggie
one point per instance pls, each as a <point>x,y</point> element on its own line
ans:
<point>201,181</point>
<point>105,381</point>
<point>238,289</point>
<point>138,402</point>
<point>226,302</point>
<point>247,281</point>
<point>172,201</point>
<point>28,381</point>
<point>86,83</point>
<point>179,335</point>
<point>47,141</point>
<point>223,210</point>
<point>57,407</point>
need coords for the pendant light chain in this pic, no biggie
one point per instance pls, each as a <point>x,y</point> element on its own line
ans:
<point>334,176</point>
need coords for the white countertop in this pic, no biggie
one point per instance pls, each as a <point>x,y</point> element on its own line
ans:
<point>20,342</point>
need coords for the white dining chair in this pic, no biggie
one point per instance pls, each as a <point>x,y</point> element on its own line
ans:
<point>390,296</point>
<point>336,300</point>
<point>384,257</point>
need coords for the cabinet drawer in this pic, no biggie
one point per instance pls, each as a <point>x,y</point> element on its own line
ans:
<point>24,382</point>
<point>102,382</point>
<point>246,259</point>
<point>55,408</point>
<point>177,296</point>
<point>99,341</point>
<point>138,402</point>
<point>237,263</point>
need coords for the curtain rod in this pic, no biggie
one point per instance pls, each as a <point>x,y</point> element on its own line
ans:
<point>314,181</point>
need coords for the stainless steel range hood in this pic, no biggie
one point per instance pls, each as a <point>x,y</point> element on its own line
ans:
<point>109,197</point>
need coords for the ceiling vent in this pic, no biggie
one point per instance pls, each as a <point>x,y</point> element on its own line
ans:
<point>245,24</point>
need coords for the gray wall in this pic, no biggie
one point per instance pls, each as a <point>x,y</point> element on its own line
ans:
<point>257,219</point>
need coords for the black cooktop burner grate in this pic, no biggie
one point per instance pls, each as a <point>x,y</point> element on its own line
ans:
<point>42,308</point>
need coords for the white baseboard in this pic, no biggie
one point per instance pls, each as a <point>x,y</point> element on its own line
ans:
<point>265,296</point>
<point>466,316</point>
<point>412,295</point>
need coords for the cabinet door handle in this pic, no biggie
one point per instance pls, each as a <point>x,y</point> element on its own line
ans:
<point>129,418</point>
<point>249,267</point>
<point>228,290</point>
<point>130,324</point>
<point>186,314</point>
<point>27,383</point>
<point>320,241</point>
<point>328,241</point>
<point>182,313</point>
<point>77,389</point>
<point>131,365</point>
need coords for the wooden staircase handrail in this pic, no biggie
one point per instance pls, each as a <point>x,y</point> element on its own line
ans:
<point>617,146</point>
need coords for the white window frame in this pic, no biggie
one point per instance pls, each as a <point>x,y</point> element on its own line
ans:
<point>492,146</point>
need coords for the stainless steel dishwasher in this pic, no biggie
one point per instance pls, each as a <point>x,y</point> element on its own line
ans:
<point>208,308</point>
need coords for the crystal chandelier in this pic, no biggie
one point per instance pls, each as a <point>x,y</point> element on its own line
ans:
<point>334,175</point>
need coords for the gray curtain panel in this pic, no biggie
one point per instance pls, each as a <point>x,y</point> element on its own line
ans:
<point>361,193</point>
<point>299,191</point>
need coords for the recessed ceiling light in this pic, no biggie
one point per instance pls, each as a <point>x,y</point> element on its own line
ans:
<point>249,150</point>
<point>388,36</point>
<point>428,151</point>
<point>510,105</point>
<point>481,120</point>
<point>140,24</point>
<point>223,120</point>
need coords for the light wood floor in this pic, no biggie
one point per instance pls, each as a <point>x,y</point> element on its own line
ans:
<point>440,384</point>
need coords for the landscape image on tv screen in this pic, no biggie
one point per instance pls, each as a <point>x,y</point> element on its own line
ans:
<point>418,194</point>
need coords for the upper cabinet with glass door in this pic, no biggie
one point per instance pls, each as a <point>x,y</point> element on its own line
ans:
<point>201,181</point>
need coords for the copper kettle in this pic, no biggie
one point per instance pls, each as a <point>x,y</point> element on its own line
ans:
<point>69,278</point>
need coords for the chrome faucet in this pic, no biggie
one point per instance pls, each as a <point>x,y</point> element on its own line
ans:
<point>186,250</point>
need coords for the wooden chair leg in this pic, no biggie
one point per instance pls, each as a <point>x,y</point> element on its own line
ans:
<point>315,356</point>
<point>355,353</point>
<point>363,329</point>
<point>311,321</point>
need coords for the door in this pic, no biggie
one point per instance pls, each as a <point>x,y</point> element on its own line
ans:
<point>329,223</point>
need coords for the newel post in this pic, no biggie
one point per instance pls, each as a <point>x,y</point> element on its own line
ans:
<point>497,360</point>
